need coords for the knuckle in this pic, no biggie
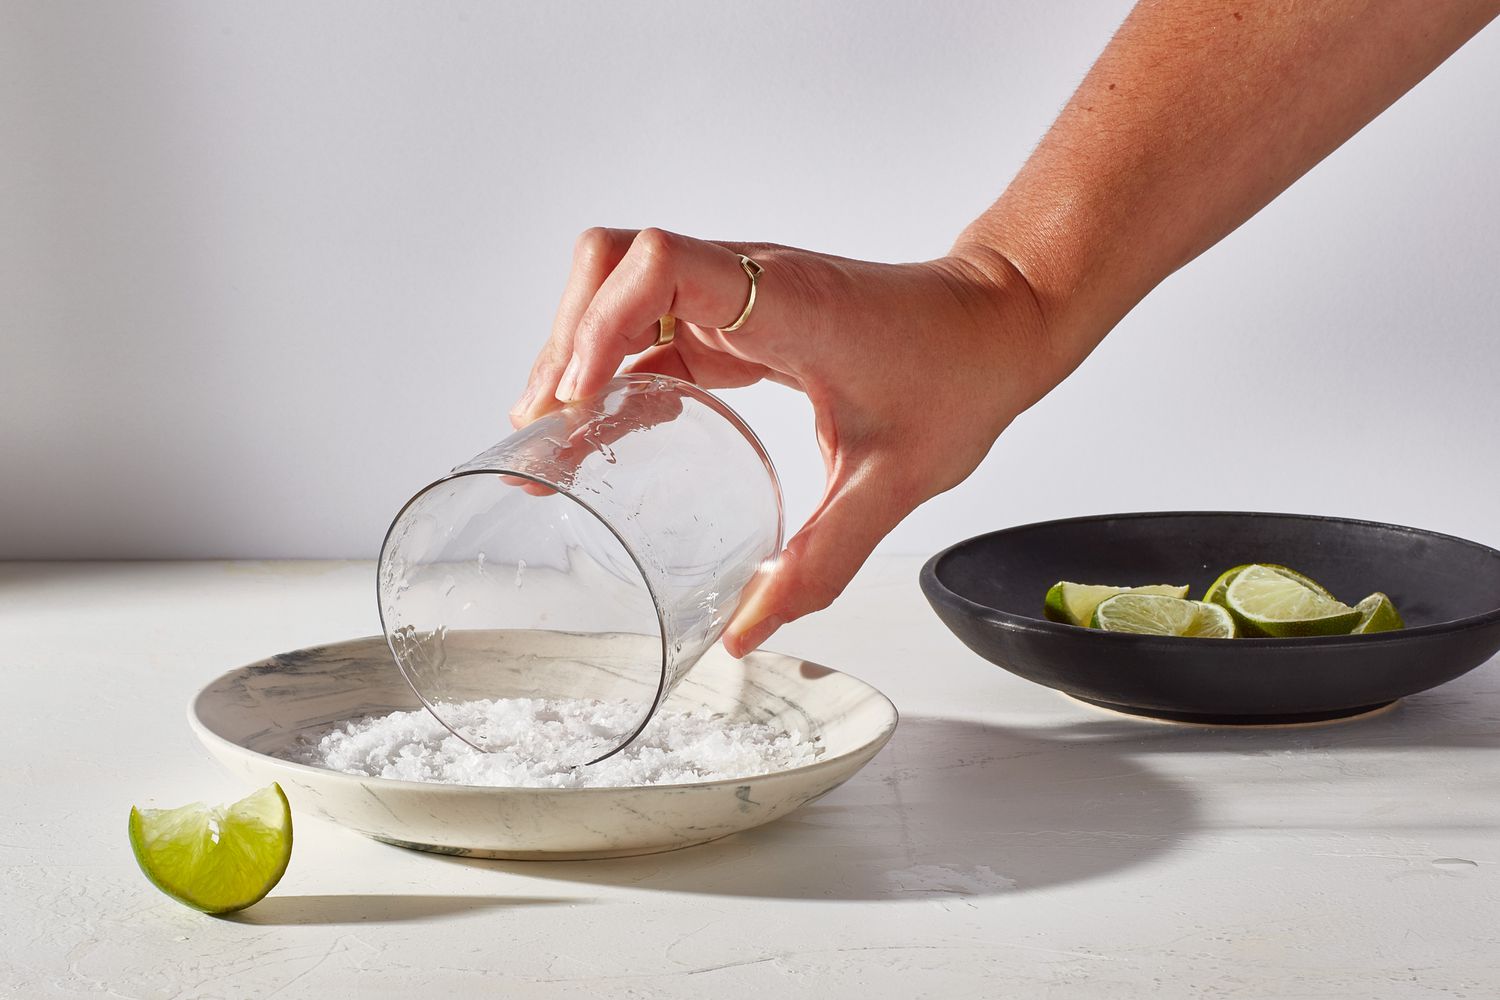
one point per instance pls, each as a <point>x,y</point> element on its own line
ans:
<point>656,247</point>
<point>589,326</point>
<point>804,279</point>
<point>815,589</point>
<point>546,366</point>
<point>592,245</point>
<point>819,593</point>
<point>594,326</point>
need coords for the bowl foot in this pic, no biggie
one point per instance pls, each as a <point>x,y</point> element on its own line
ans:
<point>1332,717</point>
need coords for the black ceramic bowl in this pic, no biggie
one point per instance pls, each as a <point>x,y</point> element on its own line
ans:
<point>989,591</point>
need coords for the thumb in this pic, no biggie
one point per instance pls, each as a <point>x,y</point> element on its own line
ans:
<point>858,510</point>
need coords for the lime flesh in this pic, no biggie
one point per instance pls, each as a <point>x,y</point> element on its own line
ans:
<point>1377,614</point>
<point>1218,587</point>
<point>1268,602</point>
<point>1150,614</point>
<point>217,859</point>
<point>1074,603</point>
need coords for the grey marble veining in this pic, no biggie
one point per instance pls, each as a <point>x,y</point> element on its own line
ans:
<point>248,715</point>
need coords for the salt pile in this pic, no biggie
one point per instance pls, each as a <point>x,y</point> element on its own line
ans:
<point>677,747</point>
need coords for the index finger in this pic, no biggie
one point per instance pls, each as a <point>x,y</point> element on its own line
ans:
<point>699,282</point>
<point>597,253</point>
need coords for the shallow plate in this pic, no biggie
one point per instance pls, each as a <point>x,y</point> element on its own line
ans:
<point>248,714</point>
<point>989,591</point>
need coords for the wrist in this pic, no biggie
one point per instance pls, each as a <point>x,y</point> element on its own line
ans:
<point>1078,285</point>
<point>1010,318</point>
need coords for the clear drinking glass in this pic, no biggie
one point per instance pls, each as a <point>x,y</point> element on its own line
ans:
<point>595,554</point>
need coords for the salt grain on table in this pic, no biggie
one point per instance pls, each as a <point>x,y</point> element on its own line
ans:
<point>676,748</point>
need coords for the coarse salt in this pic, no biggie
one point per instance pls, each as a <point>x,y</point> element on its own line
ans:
<point>677,747</point>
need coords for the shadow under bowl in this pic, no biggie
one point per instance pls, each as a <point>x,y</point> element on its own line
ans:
<point>989,591</point>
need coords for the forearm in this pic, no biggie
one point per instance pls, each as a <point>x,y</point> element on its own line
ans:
<point>1197,114</point>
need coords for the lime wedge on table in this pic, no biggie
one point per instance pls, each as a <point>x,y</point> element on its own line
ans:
<point>1266,601</point>
<point>1217,588</point>
<point>1074,603</point>
<point>1151,614</point>
<point>1377,614</point>
<point>215,858</point>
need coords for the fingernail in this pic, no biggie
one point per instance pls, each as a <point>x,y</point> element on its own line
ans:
<point>758,633</point>
<point>569,384</point>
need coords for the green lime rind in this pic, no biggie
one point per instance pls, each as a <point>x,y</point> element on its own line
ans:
<point>1215,592</point>
<point>1249,629</point>
<point>1154,614</point>
<point>178,851</point>
<point>1378,614</point>
<point>1074,603</point>
<point>1268,602</point>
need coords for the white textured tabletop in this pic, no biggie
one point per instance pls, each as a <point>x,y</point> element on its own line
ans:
<point>1008,842</point>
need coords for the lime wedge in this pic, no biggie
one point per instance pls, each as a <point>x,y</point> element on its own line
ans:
<point>1074,603</point>
<point>1377,614</point>
<point>1150,614</point>
<point>215,858</point>
<point>1266,601</point>
<point>1217,588</point>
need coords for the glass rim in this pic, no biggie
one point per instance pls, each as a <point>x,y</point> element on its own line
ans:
<point>661,627</point>
<point>696,391</point>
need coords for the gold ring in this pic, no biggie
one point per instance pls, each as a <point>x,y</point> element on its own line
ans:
<point>753,271</point>
<point>666,329</point>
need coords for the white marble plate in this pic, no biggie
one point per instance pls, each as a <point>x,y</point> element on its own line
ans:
<point>249,714</point>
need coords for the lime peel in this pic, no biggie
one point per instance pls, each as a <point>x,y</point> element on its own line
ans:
<point>1265,601</point>
<point>217,859</point>
<point>1377,614</point>
<point>1216,589</point>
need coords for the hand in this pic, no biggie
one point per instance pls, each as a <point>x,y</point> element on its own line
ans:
<point>913,370</point>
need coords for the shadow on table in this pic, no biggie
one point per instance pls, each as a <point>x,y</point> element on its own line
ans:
<point>1463,714</point>
<point>949,809</point>
<point>360,908</point>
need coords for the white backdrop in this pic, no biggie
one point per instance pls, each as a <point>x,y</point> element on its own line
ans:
<point>267,268</point>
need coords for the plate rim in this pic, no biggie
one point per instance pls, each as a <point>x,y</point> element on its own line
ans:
<point>211,739</point>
